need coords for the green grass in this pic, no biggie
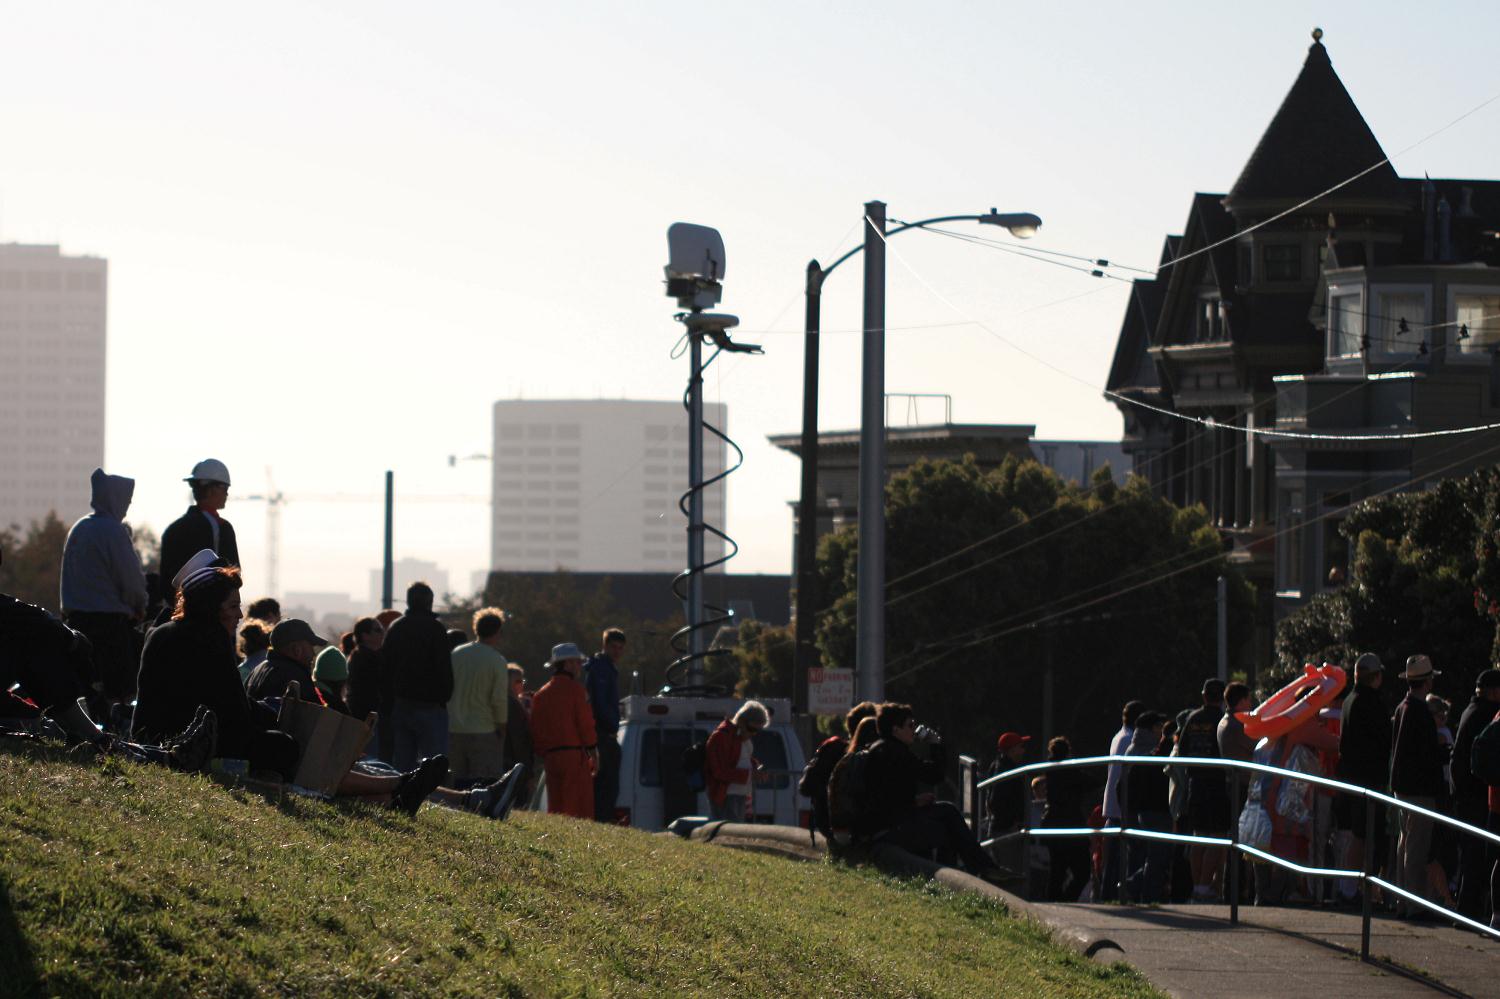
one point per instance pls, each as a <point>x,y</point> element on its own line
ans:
<point>118,879</point>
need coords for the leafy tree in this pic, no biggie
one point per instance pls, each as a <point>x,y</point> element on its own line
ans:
<point>1113,585</point>
<point>1425,578</point>
<point>763,657</point>
<point>32,566</point>
<point>147,546</point>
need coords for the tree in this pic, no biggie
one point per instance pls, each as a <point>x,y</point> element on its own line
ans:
<point>32,566</point>
<point>1113,585</point>
<point>1425,578</point>
<point>147,546</point>
<point>763,656</point>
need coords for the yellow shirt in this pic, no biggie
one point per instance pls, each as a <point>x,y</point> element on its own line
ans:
<point>481,689</point>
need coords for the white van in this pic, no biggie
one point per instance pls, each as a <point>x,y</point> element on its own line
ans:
<point>656,730</point>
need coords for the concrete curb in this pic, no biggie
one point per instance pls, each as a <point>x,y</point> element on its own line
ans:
<point>794,842</point>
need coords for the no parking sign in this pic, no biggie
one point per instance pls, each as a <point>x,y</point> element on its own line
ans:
<point>829,691</point>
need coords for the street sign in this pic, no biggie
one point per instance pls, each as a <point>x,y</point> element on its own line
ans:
<point>829,691</point>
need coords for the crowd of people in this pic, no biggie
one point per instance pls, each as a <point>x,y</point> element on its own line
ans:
<point>177,670</point>
<point>1411,753</point>
<point>877,784</point>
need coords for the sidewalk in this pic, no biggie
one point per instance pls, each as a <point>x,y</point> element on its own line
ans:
<point>1286,953</point>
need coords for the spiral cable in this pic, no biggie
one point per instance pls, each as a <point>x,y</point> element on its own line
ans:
<point>715,616</point>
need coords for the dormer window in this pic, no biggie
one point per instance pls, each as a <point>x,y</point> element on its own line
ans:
<point>1283,261</point>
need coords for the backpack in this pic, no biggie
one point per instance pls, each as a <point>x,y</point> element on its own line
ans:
<point>814,782</point>
<point>1484,755</point>
<point>846,790</point>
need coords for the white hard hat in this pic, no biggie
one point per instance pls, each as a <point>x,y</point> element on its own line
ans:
<point>209,470</point>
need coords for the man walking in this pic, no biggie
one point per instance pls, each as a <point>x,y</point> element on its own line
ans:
<point>1109,886</point>
<point>103,589</point>
<point>418,658</point>
<point>480,706</point>
<point>601,680</point>
<point>201,527</point>
<point>1470,794</point>
<point>563,732</point>
<point>1416,773</point>
<point>1364,760</point>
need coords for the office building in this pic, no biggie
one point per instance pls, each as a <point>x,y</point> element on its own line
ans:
<point>52,341</point>
<point>593,485</point>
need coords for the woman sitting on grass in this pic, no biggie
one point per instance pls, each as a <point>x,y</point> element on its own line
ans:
<point>190,662</point>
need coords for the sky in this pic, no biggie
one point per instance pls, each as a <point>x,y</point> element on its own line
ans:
<point>337,233</point>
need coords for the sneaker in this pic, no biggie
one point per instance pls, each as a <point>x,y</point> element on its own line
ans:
<point>192,751</point>
<point>417,784</point>
<point>510,789</point>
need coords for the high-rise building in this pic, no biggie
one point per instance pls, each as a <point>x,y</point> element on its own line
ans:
<point>52,341</point>
<point>593,485</point>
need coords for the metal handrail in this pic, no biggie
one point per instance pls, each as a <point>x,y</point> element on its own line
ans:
<point>1367,878</point>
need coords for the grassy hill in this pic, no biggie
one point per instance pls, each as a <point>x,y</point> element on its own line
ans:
<point>117,879</point>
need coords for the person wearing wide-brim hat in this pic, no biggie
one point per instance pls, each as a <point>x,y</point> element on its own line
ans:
<point>563,735</point>
<point>1416,771</point>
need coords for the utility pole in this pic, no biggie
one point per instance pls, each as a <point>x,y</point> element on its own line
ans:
<point>388,578</point>
<point>1222,599</point>
<point>697,640</point>
<point>805,655</point>
<point>870,593</point>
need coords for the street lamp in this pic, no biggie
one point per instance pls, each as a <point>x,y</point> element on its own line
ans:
<point>870,654</point>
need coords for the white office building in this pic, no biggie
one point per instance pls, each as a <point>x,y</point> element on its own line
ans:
<point>52,342</point>
<point>593,485</point>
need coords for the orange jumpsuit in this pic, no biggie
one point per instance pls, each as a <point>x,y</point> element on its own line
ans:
<point>562,731</point>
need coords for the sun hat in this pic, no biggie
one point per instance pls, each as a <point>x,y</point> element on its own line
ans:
<point>1418,667</point>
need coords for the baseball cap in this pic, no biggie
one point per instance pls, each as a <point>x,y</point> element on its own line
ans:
<point>291,630</point>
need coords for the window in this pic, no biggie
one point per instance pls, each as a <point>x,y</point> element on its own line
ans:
<point>769,748</point>
<point>1344,324</point>
<point>539,431</point>
<point>1283,261</point>
<point>1479,317</point>
<point>1290,521</point>
<point>662,749</point>
<point>1398,327</point>
<point>1210,319</point>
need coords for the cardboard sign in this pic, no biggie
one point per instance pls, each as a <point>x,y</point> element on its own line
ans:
<point>330,741</point>
<point>830,691</point>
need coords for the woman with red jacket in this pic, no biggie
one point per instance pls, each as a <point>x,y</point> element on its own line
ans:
<point>728,763</point>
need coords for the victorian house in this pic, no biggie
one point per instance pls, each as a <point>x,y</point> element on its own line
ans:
<point>1303,301</point>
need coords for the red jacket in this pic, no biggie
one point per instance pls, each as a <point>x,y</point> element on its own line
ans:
<point>721,765</point>
<point>560,716</point>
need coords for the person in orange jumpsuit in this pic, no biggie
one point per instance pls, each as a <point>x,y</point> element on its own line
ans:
<point>562,731</point>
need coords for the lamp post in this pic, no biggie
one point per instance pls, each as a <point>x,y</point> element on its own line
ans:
<point>871,633</point>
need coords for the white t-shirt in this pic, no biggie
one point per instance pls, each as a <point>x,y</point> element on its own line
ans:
<point>743,790</point>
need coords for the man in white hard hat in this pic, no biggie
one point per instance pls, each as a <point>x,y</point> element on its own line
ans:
<point>201,527</point>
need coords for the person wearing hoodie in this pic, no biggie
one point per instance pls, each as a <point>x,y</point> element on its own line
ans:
<point>103,587</point>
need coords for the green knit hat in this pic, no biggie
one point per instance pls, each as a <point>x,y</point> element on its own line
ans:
<point>331,666</point>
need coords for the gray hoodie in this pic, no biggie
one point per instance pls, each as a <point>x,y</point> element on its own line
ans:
<point>101,573</point>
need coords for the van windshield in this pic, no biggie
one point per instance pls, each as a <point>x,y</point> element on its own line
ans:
<point>658,743</point>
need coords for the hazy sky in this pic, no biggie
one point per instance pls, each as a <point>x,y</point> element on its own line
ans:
<point>338,232</point>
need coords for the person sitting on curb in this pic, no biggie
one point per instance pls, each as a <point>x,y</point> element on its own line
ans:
<point>895,810</point>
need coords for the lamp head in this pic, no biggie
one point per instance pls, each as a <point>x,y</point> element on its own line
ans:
<point>1022,225</point>
<point>695,265</point>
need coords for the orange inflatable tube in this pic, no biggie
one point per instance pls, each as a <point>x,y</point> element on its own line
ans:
<point>1295,703</point>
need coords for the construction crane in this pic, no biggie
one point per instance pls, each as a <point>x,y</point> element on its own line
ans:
<point>275,499</point>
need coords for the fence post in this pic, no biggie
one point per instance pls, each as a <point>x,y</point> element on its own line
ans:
<point>1234,847</point>
<point>1366,889</point>
<point>969,770</point>
<point>1122,844</point>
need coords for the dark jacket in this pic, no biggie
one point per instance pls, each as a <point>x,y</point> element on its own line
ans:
<point>518,737</point>
<point>893,778</point>
<point>185,664</point>
<point>1365,740</point>
<point>190,534</point>
<point>601,678</point>
<point>1006,801</point>
<point>1199,737</point>
<point>815,776</point>
<point>1468,791</point>
<point>1067,789</point>
<point>418,655</point>
<point>1150,788</point>
<point>42,654</point>
<point>362,692</point>
<point>270,678</point>
<point>1417,756</point>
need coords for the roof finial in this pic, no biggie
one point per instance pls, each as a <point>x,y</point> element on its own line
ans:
<point>1318,35</point>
